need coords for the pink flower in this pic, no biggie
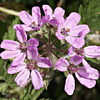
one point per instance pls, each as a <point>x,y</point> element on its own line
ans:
<point>18,49</point>
<point>89,51</point>
<point>24,70</point>
<point>33,22</point>
<point>85,78</point>
<point>56,17</point>
<point>69,30</point>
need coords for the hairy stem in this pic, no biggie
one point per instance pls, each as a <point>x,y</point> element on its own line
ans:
<point>55,54</point>
<point>54,42</point>
<point>49,37</point>
<point>43,40</point>
<point>42,48</point>
<point>59,50</point>
<point>43,53</point>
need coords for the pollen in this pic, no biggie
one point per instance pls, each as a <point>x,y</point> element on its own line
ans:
<point>53,17</point>
<point>67,30</point>
<point>33,23</point>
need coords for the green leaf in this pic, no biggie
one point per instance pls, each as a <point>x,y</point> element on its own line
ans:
<point>45,99</point>
<point>5,78</point>
<point>3,87</point>
<point>90,14</point>
<point>36,93</point>
<point>11,34</point>
<point>93,60</point>
<point>1,78</point>
<point>30,94</point>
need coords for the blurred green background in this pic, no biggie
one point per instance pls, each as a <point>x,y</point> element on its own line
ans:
<point>90,13</point>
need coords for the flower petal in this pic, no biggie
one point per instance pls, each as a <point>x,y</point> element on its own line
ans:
<point>22,77</point>
<point>44,20</point>
<point>9,54</point>
<point>44,62</point>
<point>60,36</point>
<point>89,83</point>
<point>10,44</point>
<point>26,18</point>
<point>21,34</point>
<point>59,11</point>
<point>70,85</point>
<point>93,73</point>
<point>76,42</point>
<point>33,42</point>
<point>62,64</point>
<point>37,80</point>
<point>72,20</point>
<point>19,59</point>
<point>16,69</point>
<point>32,53</point>
<point>58,33</point>
<point>76,60</point>
<point>36,14</point>
<point>60,19</point>
<point>53,22</point>
<point>80,30</point>
<point>71,51</point>
<point>47,10</point>
<point>92,51</point>
<point>86,65</point>
<point>25,27</point>
<point>56,20</point>
<point>82,72</point>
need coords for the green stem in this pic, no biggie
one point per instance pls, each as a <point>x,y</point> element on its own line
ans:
<point>37,93</point>
<point>8,11</point>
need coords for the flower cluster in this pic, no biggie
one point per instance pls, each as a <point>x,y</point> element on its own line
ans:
<point>26,53</point>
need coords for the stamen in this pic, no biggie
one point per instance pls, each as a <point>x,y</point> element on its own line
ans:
<point>20,46</point>
<point>67,30</point>
<point>33,23</point>
<point>64,31</point>
<point>72,69</point>
<point>31,65</point>
<point>79,52</point>
<point>23,47</point>
<point>53,17</point>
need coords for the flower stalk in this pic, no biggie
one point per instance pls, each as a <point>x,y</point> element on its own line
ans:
<point>8,11</point>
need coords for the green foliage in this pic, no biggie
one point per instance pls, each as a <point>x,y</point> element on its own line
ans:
<point>93,60</point>
<point>90,14</point>
<point>30,93</point>
<point>2,29</point>
<point>11,34</point>
<point>3,86</point>
<point>6,80</point>
<point>45,99</point>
